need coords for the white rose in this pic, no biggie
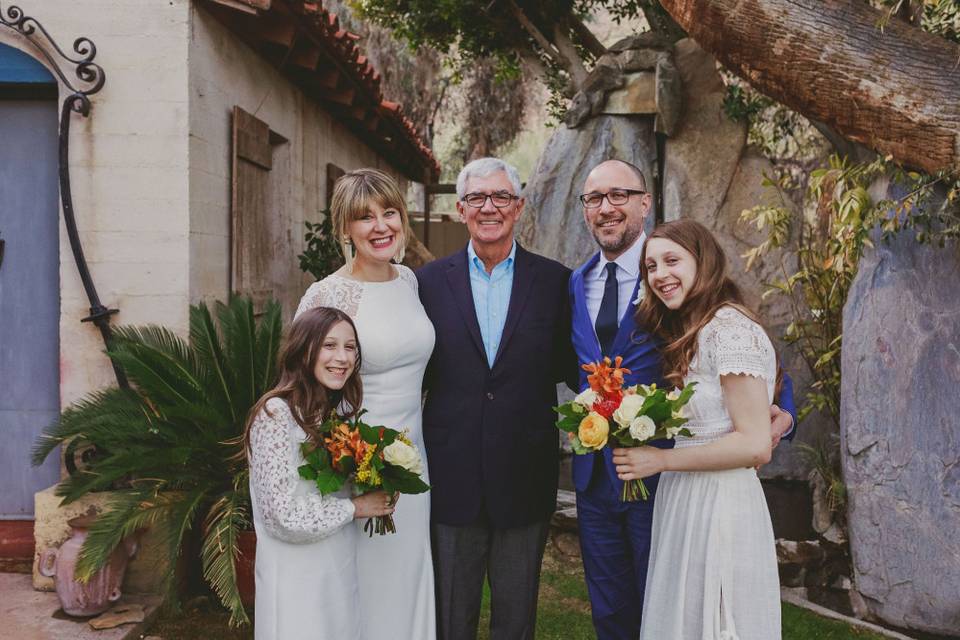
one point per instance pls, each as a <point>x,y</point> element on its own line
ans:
<point>403,455</point>
<point>628,409</point>
<point>642,428</point>
<point>586,398</point>
<point>673,431</point>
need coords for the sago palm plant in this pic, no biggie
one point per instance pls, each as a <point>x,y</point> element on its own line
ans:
<point>170,444</point>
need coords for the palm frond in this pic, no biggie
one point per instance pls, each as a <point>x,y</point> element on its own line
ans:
<point>158,375</point>
<point>205,339</point>
<point>267,345</point>
<point>77,419</point>
<point>238,326</point>
<point>126,513</point>
<point>228,516</point>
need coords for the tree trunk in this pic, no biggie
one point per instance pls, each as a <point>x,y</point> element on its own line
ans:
<point>896,90</point>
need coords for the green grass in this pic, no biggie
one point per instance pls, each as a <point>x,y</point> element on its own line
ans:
<point>564,610</point>
<point>563,613</point>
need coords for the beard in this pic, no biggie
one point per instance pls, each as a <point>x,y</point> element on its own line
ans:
<point>619,243</point>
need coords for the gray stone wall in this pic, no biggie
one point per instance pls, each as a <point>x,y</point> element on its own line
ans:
<point>900,433</point>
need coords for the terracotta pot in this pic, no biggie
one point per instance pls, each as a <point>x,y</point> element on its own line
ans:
<point>246,565</point>
<point>97,594</point>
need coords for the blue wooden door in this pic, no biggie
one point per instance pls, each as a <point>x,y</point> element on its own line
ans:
<point>29,279</point>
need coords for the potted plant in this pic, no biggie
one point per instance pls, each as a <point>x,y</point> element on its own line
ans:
<point>172,442</point>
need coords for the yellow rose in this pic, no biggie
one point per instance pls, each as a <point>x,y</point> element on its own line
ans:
<point>593,431</point>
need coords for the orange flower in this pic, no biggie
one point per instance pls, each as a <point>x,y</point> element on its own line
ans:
<point>605,379</point>
<point>343,441</point>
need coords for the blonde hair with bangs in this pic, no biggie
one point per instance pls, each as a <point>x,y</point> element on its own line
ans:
<point>353,193</point>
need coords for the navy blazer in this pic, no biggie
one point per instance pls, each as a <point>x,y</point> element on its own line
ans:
<point>492,446</point>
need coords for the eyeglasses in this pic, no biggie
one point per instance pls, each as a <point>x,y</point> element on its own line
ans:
<point>500,199</point>
<point>615,197</point>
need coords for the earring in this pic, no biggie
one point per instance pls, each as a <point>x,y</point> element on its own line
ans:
<point>402,251</point>
<point>346,245</point>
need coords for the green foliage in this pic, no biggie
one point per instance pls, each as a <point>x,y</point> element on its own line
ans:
<point>939,17</point>
<point>173,441</point>
<point>323,254</point>
<point>829,254</point>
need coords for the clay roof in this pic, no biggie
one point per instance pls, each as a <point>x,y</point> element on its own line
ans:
<point>308,45</point>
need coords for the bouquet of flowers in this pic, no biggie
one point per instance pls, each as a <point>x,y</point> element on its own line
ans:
<point>372,457</point>
<point>640,414</point>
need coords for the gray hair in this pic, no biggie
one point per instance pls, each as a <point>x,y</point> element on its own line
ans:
<point>483,167</point>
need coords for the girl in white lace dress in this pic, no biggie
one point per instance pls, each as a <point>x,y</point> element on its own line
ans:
<point>713,569</point>
<point>394,571</point>
<point>306,551</point>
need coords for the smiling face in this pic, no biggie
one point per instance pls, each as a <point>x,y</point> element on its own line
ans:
<point>671,271</point>
<point>377,233</point>
<point>337,356</point>
<point>489,225</point>
<point>616,227</point>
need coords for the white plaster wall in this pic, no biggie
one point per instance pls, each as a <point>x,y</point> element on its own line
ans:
<point>128,164</point>
<point>225,72</point>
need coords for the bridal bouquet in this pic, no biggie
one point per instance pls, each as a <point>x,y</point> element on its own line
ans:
<point>640,414</point>
<point>372,457</point>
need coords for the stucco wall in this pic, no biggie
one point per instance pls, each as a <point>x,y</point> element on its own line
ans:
<point>128,166</point>
<point>150,167</point>
<point>225,72</point>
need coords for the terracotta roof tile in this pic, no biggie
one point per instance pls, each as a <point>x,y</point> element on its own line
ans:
<point>325,26</point>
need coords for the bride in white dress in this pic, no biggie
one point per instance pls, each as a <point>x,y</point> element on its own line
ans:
<point>395,571</point>
<point>306,546</point>
<point>713,568</point>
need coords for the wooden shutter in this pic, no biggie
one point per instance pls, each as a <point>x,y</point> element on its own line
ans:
<point>263,263</point>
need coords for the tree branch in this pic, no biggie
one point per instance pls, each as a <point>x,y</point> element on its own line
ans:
<point>585,36</point>
<point>895,91</point>
<point>560,54</point>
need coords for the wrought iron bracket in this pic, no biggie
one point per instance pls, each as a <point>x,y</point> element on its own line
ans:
<point>82,77</point>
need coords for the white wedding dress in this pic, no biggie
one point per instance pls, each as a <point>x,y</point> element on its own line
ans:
<point>713,566</point>
<point>394,571</point>
<point>306,563</point>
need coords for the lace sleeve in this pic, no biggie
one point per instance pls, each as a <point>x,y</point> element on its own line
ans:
<point>289,515</point>
<point>408,276</point>
<point>738,345</point>
<point>333,291</point>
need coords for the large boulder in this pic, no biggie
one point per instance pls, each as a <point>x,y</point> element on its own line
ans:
<point>900,433</point>
<point>552,223</point>
<point>703,155</point>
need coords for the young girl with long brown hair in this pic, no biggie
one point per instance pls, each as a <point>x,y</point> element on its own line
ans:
<point>306,573</point>
<point>713,569</point>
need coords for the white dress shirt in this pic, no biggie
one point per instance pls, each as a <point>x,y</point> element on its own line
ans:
<point>628,270</point>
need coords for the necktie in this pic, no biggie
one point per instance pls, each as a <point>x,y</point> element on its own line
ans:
<point>607,320</point>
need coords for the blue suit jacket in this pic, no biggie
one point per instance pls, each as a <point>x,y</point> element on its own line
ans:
<point>640,354</point>
<point>492,446</point>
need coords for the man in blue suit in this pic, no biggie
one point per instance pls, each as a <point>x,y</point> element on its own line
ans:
<point>615,536</point>
<point>502,320</point>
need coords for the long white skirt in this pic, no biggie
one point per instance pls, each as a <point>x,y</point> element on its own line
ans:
<point>713,565</point>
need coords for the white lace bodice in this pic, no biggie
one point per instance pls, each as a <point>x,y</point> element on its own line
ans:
<point>731,343</point>
<point>345,293</point>
<point>291,509</point>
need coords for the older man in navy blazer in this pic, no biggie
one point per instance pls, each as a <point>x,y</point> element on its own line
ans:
<point>502,321</point>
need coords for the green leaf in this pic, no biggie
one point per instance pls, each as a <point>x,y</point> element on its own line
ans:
<point>370,435</point>
<point>329,481</point>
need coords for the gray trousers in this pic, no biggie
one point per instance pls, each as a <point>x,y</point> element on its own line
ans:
<point>511,558</point>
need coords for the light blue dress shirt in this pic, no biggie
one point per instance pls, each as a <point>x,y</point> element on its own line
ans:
<point>491,297</point>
